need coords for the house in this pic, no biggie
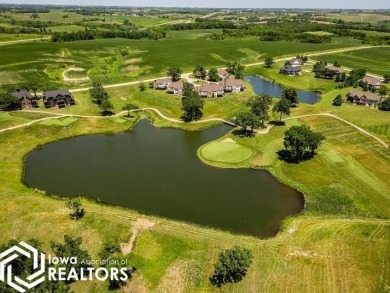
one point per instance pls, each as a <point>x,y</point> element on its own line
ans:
<point>295,62</point>
<point>162,84</point>
<point>336,70</point>
<point>223,74</point>
<point>25,98</point>
<point>232,85</point>
<point>371,82</point>
<point>211,90</point>
<point>58,98</point>
<point>291,70</point>
<point>176,87</point>
<point>364,98</point>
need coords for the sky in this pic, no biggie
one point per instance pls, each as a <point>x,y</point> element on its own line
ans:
<point>335,4</point>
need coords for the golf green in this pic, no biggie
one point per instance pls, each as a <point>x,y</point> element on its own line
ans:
<point>225,151</point>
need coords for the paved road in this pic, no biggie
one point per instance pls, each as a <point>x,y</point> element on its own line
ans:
<point>23,41</point>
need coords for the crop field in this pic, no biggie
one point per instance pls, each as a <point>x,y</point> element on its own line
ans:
<point>359,17</point>
<point>148,58</point>
<point>375,60</point>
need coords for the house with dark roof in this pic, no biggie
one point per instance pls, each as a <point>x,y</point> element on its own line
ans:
<point>25,98</point>
<point>232,85</point>
<point>364,98</point>
<point>211,90</point>
<point>176,88</point>
<point>223,74</point>
<point>162,83</point>
<point>58,98</point>
<point>371,82</point>
<point>291,70</point>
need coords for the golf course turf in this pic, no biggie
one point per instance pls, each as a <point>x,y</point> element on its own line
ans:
<point>225,152</point>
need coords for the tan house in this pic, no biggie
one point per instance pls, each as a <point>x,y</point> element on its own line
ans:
<point>26,99</point>
<point>295,62</point>
<point>364,98</point>
<point>223,74</point>
<point>211,90</point>
<point>176,88</point>
<point>371,82</point>
<point>337,70</point>
<point>232,85</point>
<point>162,84</point>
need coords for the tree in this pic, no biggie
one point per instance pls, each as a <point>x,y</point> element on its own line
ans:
<point>383,91</point>
<point>106,106</point>
<point>247,119</point>
<point>71,248</point>
<point>192,104</point>
<point>338,100</point>
<point>200,72</point>
<point>77,210</point>
<point>384,105</point>
<point>232,266</point>
<point>142,87</point>
<point>9,103</point>
<point>291,95</point>
<point>129,107</point>
<point>213,74</point>
<point>260,107</point>
<point>283,107</point>
<point>98,93</point>
<point>268,62</point>
<point>300,141</point>
<point>236,69</point>
<point>336,64</point>
<point>174,73</point>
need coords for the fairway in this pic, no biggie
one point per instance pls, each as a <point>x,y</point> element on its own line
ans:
<point>225,152</point>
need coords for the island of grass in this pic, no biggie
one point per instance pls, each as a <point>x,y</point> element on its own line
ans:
<point>225,151</point>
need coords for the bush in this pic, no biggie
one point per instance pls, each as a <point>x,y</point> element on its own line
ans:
<point>338,100</point>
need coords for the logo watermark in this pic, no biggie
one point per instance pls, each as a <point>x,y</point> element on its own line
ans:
<point>57,268</point>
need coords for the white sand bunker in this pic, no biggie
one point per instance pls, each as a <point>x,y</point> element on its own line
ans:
<point>228,140</point>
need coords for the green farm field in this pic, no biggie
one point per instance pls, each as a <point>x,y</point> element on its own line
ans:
<point>375,60</point>
<point>145,58</point>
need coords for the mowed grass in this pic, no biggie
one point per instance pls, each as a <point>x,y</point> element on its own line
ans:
<point>309,255</point>
<point>225,152</point>
<point>375,60</point>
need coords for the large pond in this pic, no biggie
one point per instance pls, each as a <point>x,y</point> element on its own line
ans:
<point>263,86</point>
<point>157,171</point>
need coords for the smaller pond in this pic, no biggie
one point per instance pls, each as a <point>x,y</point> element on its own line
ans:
<point>262,86</point>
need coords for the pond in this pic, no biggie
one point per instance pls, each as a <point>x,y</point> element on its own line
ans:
<point>157,171</point>
<point>263,86</point>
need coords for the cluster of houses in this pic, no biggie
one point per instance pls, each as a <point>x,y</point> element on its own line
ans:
<point>367,98</point>
<point>51,99</point>
<point>209,90</point>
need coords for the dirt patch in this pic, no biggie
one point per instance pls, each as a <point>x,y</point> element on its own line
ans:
<point>136,229</point>
<point>302,253</point>
<point>175,278</point>
<point>77,69</point>
<point>132,61</point>
<point>136,285</point>
<point>228,140</point>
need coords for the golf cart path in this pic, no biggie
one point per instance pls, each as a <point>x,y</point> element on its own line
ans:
<point>262,131</point>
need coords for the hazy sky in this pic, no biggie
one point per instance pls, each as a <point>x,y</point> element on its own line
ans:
<point>365,4</point>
